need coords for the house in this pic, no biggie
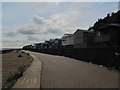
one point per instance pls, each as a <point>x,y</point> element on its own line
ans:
<point>89,39</point>
<point>107,35</point>
<point>83,38</point>
<point>33,46</point>
<point>42,45</point>
<point>51,43</point>
<point>67,40</point>
<point>38,45</point>
<point>46,44</point>
<point>57,43</point>
<point>29,47</point>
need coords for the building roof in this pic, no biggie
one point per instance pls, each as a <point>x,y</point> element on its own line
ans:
<point>103,26</point>
<point>81,30</point>
<point>66,35</point>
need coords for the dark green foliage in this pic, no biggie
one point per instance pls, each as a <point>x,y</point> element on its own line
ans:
<point>110,18</point>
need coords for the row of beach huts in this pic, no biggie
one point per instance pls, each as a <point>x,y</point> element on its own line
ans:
<point>104,35</point>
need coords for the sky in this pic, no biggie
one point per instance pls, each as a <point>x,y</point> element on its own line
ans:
<point>33,22</point>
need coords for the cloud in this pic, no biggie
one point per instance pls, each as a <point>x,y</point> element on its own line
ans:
<point>11,34</point>
<point>10,43</point>
<point>54,31</point>
<point>6,28</point>
<point>26,31</point>
<point>40,25</point>
<point>31,38</point>
<point>37,20</point>
<point>7,41</point>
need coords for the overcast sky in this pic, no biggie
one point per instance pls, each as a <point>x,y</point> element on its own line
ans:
<point>26,23</point>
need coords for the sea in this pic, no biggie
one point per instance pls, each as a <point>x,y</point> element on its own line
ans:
<point>2,49</point>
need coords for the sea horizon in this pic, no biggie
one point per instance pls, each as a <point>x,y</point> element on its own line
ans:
<point>2,49</point>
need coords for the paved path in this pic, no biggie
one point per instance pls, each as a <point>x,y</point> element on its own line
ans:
<point>31,77</point>
<point>63,72</point>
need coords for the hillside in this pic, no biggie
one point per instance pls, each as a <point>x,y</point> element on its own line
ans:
<point>110,18</point>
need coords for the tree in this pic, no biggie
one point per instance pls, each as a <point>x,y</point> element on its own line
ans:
<point>110,18</point>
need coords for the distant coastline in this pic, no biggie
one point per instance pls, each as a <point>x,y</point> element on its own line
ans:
<point>4,49</point>
<point>7,49</point>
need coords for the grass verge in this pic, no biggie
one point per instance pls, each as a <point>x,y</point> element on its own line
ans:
<point>13,65</point>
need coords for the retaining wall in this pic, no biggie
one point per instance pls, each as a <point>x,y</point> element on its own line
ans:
<point>107,56</point>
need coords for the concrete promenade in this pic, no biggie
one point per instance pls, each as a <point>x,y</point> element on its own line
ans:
<point>64,72</point>
<point>31,77</point>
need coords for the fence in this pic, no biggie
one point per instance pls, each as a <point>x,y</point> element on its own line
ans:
<point>107,56</point>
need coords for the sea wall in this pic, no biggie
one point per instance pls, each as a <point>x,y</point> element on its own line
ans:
<point>107,56</point>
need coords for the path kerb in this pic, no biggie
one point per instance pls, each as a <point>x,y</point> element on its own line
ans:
<point>32,76</point>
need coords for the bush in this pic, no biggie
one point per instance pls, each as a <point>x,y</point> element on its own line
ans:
<point>19,55</point>
<point>28,54</point>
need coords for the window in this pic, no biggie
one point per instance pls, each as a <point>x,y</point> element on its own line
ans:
<point>98,33</point>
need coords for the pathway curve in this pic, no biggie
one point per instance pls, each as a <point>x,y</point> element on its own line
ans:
<point>64,72</point>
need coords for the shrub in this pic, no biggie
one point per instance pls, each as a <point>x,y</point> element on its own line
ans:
<point>19,55</point>
<point>28,54</point>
